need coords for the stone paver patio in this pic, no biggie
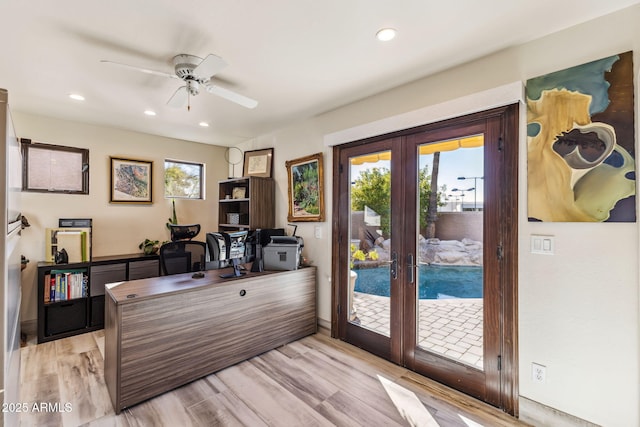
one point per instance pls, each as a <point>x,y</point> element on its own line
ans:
<point>451,327</point>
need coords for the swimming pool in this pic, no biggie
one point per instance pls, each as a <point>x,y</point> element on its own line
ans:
<point>436,281</point>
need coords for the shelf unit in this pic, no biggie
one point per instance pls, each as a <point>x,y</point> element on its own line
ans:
<point>60,319</point>
<point>246,203</point>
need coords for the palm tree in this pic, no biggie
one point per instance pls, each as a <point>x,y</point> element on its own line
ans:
<point>432,210</point>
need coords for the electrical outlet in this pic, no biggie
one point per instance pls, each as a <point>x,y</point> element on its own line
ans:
<point>538,373</point>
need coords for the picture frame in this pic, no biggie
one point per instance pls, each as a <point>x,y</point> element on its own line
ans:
<point>131,181</point>
<point>239,193</point>
<point>305,188</point>
<point>258,163</point>
<point>49,168</point>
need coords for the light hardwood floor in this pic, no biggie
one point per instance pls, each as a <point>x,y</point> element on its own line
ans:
<point>313,381</point>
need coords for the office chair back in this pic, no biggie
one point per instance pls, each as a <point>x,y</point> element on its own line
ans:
<point>183,231</point>
<point>182,256</point>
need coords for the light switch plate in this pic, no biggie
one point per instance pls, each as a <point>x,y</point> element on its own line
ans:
<point>542,244</point>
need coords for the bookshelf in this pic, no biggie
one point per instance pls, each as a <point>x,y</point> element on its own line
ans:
<point>71,296</point>
<point>61,313</point>
<point>246,203</point>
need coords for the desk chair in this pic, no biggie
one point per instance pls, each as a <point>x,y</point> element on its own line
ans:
<point>182,255</point>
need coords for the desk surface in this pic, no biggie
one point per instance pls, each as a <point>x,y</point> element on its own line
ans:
<point>121,292</point>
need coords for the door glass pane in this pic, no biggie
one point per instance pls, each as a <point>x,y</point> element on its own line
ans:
<point>450,248</point>
<point>370,234</point>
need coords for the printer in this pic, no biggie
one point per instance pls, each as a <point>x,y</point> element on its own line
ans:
<point>283,253</point>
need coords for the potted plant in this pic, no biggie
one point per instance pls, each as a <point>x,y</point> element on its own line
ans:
<point>174,218</point>
<point>149,247</point>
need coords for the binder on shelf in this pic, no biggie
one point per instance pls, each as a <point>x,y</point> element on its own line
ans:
<point>84,224</point>
<point>76,241</point>
<point>72,242</point>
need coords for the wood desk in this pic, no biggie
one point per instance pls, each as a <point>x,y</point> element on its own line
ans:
<point>164,332</point>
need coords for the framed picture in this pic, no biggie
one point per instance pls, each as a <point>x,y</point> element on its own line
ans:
<point>54,168</point>
<point>239,192</point>
<point>258,163</point>
<point>131,181</point>
<point>306,195</point>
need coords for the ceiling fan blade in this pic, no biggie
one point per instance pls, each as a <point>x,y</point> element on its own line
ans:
<point>209,66</point>
<point>232,96</point>
<point>143,70</point>
<point>179,98</point>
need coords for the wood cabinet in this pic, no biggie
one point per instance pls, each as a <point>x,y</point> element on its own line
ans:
<point>246,203</point>
<point>164,332</point>
<point>83,311</point>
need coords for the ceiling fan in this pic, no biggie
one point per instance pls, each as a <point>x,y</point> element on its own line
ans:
<point>196,73</point>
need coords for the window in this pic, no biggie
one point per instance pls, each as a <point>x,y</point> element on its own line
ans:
<point>54,168</point>
<point>183,179</point>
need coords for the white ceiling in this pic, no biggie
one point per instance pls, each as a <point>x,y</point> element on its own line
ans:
<point>298,58</point>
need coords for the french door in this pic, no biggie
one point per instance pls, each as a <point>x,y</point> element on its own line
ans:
<point>425,251</point>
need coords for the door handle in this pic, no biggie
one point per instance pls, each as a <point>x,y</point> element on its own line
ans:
<point>394,265</point>
<point>410,268</point>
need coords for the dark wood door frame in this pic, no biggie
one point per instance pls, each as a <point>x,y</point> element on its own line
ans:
<point>503,125</point>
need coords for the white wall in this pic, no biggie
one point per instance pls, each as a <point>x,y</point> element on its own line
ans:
<point>117,228</point>
<point>578,309</point>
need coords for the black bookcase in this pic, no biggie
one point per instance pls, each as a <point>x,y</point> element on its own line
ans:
<point>83,311</point>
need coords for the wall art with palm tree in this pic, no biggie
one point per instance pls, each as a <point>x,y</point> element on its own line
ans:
<point>306,198</point>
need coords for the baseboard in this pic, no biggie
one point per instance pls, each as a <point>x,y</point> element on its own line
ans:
<point>540,415</point>
<point>324,327</point>
<point>29,326</point>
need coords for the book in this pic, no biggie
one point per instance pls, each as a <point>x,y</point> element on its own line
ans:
<point>47,288</point>
<point>52,287</point>
<point>67,284</point>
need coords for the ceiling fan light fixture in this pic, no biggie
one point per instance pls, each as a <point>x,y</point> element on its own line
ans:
<point>386,34</point>
<point>76,97</point>
<point>149,112</point>
<point>196,73</point>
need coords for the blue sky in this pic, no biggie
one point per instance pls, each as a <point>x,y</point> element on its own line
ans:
<point>466,162</point>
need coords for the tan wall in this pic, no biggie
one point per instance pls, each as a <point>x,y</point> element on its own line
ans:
<point>117,228</point>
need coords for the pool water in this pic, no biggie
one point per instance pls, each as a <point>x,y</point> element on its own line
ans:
<point>436,282</point>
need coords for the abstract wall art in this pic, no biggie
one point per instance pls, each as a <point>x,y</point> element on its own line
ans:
<point>580,143</point>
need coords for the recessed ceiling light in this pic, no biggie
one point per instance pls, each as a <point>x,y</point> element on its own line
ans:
<point>150,113</point>
<point>204,124</point>
<point>386,34</point>
<point>76,96</point>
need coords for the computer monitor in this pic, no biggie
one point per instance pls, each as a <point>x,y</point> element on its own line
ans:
<point>236,253</point>
<point>237,244</point>
<point>225,247</point>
